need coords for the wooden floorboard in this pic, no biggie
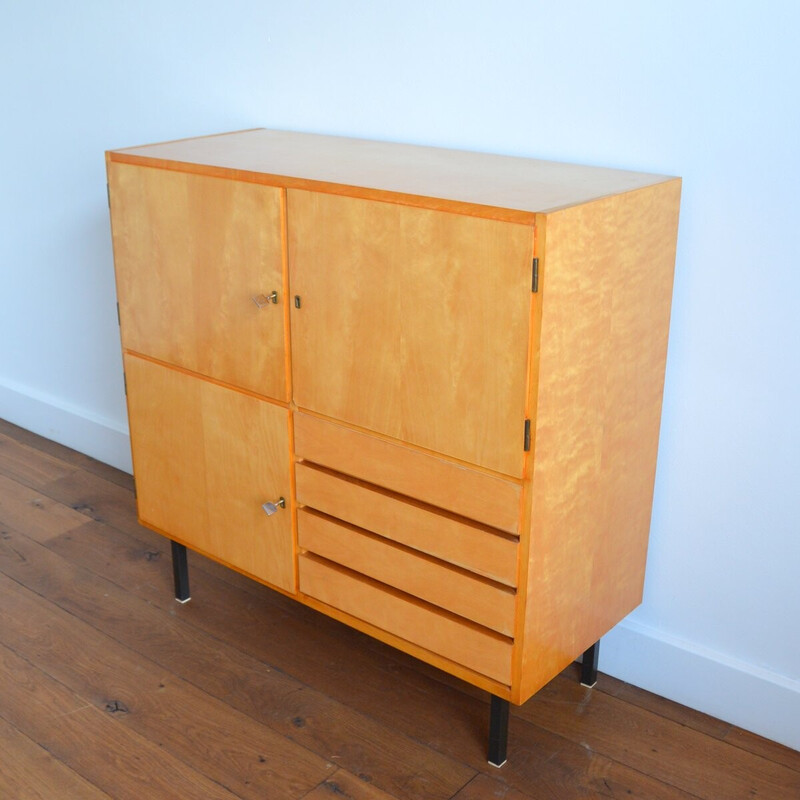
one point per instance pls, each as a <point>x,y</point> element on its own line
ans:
<point>92,743</point>
<point>111,689</point>
<point>29,771</point>
<point>207,734</point>
<point>250,685</point>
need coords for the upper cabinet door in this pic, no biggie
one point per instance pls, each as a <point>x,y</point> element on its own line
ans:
<point>191,253</point>
<point>412,323</point>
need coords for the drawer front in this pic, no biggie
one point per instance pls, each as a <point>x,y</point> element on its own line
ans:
<point>438,583</point>
<point>423,476</point>
<point>483,651</point>
<point>472,547</point>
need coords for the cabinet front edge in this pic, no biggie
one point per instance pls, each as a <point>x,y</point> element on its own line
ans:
<point>511,215</point>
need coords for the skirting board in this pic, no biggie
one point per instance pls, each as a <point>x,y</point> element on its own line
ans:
<point>732,690</point>
<point>75,427</point>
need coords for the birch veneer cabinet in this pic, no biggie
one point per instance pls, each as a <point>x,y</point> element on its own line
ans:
<point>418,390</point>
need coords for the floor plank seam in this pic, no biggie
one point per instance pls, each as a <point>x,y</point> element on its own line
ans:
<point>618,762</point>
<point>178,675</point>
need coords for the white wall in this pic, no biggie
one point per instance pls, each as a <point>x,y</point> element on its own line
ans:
<point>706,90</point>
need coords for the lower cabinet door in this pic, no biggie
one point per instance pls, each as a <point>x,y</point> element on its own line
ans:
<point>206,459</point>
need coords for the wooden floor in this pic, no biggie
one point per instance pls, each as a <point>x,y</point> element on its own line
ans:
<point>110,689</point>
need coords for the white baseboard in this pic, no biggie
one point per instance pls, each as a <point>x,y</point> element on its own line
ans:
<point>735,691</point>
<point>75,427</point>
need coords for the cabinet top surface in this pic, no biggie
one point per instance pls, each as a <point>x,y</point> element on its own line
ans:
<point>334,163</point>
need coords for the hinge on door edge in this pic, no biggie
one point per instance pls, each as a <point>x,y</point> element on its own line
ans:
<point>119,322</point>
<point>535,280</point>
<point>527,436</point>
<point>125,383</point>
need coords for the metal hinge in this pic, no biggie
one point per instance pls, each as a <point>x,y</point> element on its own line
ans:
<point>535,280</point>
<point>527,436</point>
<point>125,383</point>
<point>119,322</point>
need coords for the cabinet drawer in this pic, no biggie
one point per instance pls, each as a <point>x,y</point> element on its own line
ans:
<point>465,643</point>
<point>424,476</point>
<point>445,536</point>
<point>453,589</point>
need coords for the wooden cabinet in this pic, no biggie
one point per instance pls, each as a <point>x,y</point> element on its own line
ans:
<point>449,366</point>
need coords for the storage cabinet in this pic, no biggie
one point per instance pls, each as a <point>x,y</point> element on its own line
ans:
<point>418,390</point>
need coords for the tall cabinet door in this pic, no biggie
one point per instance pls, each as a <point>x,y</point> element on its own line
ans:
<point>412,323</point>
<point>191,253</point>
<point>206,459</point>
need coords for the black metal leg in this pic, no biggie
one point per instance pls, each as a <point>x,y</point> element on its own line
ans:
<point>498,731</point>
<point>589,666</point>
<point>180,572</point>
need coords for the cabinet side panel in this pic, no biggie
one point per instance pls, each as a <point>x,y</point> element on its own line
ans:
<point>607,288</point>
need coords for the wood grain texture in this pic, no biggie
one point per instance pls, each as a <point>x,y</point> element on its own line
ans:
<point>399,725</point>
<point>430,313</point>
<point>227,747</point>
<point>34,443</point>
<point>410,362</point>
<point>344,786</point>
<point>486,653</point>
<point>190,254</point>
<point>29,772</point>
<point>244,660</point>
<point>708,766</point>
<point>481,787</point>
<point>74,731</point>
<point>431,580</point>
<point>410,523</point>
<point>29,466</point>
<point>607,289</point>
<point>772,752</point>
<point>401,645</point>
<point>468,492</point>
<point>97,499</point>
<point>484,184</point>
<point>41,516</point>
<point>206,459</point>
